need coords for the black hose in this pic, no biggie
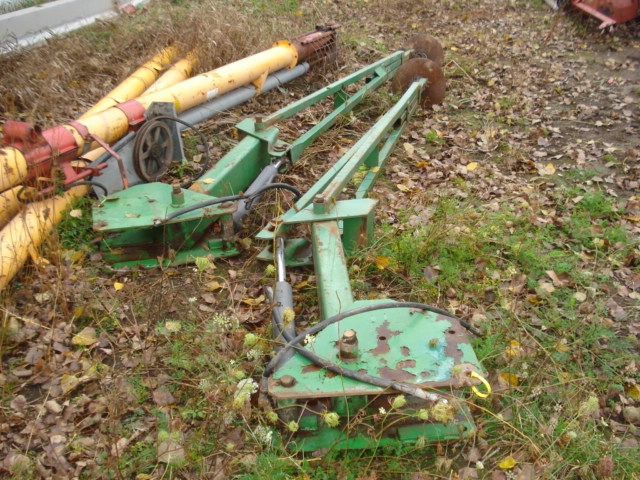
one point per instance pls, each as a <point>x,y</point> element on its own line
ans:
<point>382,382</point>
<point>230,198</point>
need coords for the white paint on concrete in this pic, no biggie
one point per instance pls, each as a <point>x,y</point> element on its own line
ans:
<point>32,25</point>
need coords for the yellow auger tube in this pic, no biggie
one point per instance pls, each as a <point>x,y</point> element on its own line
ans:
<point>134,85</point>
<point>112,124</point>
<point>28,230</point>
<point>9,205</point>
<point>13,167</point>
<point>177,73</point>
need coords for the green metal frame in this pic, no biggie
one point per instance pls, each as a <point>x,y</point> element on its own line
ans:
<point>420,348</point>
<point>416,347</point>
<point>129,219</point>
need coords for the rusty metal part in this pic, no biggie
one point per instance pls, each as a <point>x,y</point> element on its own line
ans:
<point>426,46</point>
<point>317,46</point>
<point>152,150</point>
<point>416,68</point>
<point>609,12</point>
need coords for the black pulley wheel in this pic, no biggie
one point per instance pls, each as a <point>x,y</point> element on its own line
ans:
<point>153,150</point>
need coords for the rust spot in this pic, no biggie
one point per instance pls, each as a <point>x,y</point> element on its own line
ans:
<point>384,333</point>
<point>311,368</point>
<point>329,374</point>
<point>405,363</point>
<point>405,351</point>
<point>398,375</point>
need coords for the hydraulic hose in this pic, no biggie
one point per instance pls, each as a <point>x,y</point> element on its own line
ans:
<point>230,198</point>
<point>294,343</point>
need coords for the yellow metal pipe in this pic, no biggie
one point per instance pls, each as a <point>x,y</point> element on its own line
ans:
<point>13,167</point>
<point>177,73</point>
<point>136,83</point>
<point>112,124</point>
<point>28,230</point>
<point>9,205</point>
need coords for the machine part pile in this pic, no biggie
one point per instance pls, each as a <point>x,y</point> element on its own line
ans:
<point>409,362</point>
<point>36,166</point>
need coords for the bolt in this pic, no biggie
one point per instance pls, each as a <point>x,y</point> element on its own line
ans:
<point>287,381</point>
<point>177,196</point>
<point>349,337</point>
<point>348,345</point>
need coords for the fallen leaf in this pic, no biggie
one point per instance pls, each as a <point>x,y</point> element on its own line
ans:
<point>86,337</point>
<point>508,463</point>
<point>75,213</point>
<point>118,286</point>
<point>254,302</point>
<point>382,262</point>
<point>472,166</point>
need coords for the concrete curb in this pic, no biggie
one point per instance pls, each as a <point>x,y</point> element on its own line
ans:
<point>32,25</point>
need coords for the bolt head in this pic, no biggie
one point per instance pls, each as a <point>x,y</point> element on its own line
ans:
<point>287,381</point>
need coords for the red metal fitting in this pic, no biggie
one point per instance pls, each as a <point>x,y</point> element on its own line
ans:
<point>134,111</point>
<point>609,12</point>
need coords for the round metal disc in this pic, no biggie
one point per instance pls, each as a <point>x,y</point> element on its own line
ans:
<point>153,151</point>
<point>426,46</point>
<point>416,68</point>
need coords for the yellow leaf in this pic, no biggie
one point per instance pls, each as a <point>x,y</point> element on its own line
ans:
<point>301,284</point>
<point>86,337</point>
<point>633,391</point>
<point>454,49</point>
<point>68,382</point>
<point>208,180</point>
<point>382,262</point>
<point>422,164</point>
<point>403,188</point>
<point>508,463</point>
<point>472,166</point>
<point>511,378</point>
<point>253,301</point>
<point>561,346</point>
<point>548,169</point>
<point>118,286</point>
<point>75,213</point>
<point>513,349</point>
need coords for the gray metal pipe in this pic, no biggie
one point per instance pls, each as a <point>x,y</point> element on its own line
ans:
<point>110,177</point>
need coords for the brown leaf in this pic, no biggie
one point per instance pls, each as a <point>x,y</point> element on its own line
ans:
<point>430,273</point>
<point>561,280</point>
<point>163,397</point>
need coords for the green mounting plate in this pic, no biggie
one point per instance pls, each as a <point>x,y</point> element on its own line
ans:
<point>420,348</point>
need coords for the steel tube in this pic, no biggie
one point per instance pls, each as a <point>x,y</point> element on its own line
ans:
<point>27,230</point>
<point>134,85</point>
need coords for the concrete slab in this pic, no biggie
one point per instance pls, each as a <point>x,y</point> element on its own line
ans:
<point>32,25</point>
